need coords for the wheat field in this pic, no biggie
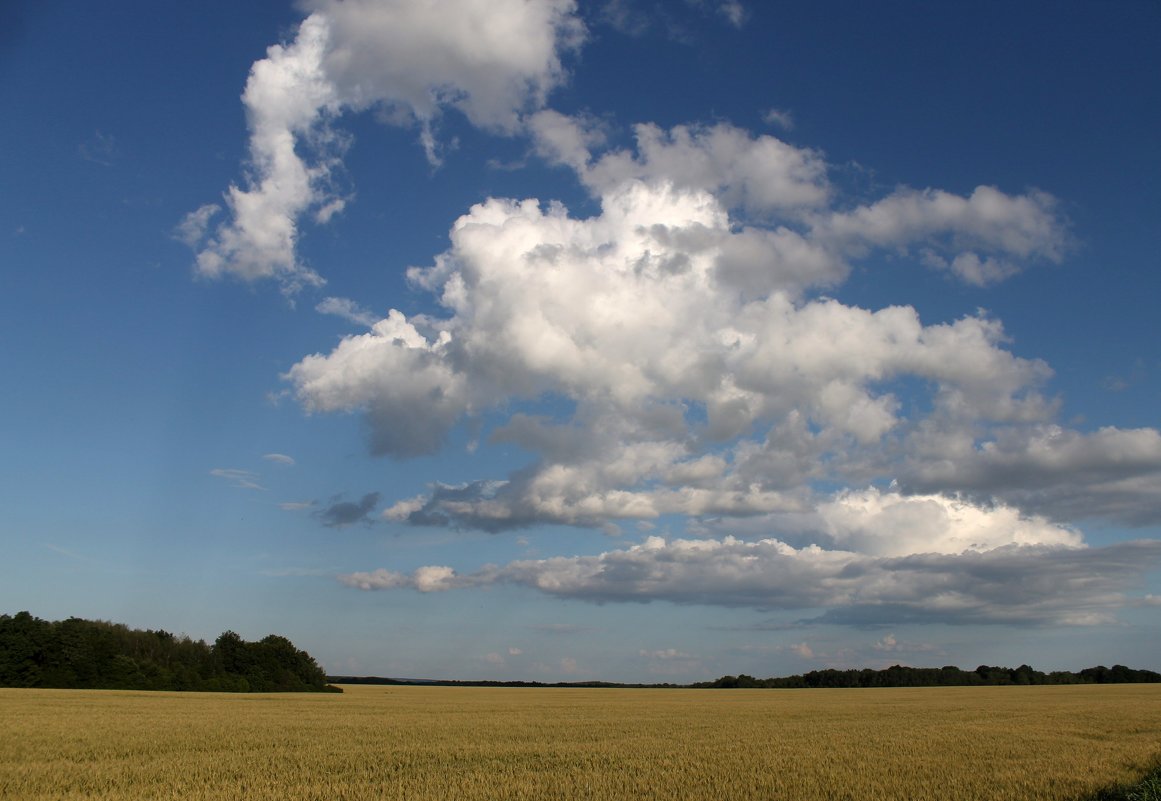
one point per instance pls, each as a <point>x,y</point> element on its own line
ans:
<point>380,742</point>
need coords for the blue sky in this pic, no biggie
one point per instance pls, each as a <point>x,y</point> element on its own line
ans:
<point>531,339</point>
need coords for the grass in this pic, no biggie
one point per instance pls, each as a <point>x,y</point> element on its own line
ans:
<point>1026,743</point>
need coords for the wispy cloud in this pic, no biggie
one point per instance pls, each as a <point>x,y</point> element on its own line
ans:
<point>670,21</point>
<point>665,654</point>
<point>100,148</point>
<point>560,628</point>
<point>780,118</point>
<point>68,553</point>
<point>193,226</point>
<point>802,650</point>
<point>348,310</point>
<point>279,458</point>
<point>243,479</point>
<point>734,12</point>
<point>296,572</point>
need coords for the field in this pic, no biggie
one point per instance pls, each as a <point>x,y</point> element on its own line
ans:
<point>376,742</point>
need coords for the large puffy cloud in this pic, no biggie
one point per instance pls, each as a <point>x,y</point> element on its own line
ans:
<point>961,564</point>
<point>678,387</point>
<point>490,59</point>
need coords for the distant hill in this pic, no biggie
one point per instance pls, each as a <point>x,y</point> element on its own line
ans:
<point>95,654</point>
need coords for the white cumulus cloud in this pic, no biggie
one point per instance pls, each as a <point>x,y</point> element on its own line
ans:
<point>490,59</point>
<point>700,379</point>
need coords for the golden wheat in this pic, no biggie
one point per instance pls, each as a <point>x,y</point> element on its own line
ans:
<point>445,744</point>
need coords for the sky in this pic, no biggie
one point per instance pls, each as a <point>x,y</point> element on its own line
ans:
<point>634,340</point>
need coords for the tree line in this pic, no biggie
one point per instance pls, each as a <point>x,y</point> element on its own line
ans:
<point>947,676</point>
<point>894,676</point>
<point>95,654</point>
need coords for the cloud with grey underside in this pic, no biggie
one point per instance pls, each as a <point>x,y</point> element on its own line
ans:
<point>341,513</point>
<point>1029,585</point>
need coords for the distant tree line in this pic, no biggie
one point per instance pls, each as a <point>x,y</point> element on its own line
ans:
<point>894,676</point>
<point>93,654</point>
<point>490,683</point>
<point>948,676</point>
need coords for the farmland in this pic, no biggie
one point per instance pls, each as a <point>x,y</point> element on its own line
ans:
<point>375,742</point>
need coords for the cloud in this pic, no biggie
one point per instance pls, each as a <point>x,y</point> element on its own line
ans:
<point>1121,383</point>
<point>670,355</point>
<point>642,301</point>
<point>674,354</point>
<point>981,239</point>
<point>636,20</point>
<point>665,654</point>
<point>295,572</point>
<point>192,228</point>
<point>101,149</point>
<point>74,555</point>
<point>700,380</point>
<point>279,458</point>
<point>492,60</point>
<point>402,380</point>
<point>734,12</point>
<point>890,524</point>
<point>1010,584</point>
<point>243,479</point>
<point>348,310</point>
<point>803,650</point>
<point>1112,472</point>
<point>780,118</point>
<point>624,17</point>
<point>566,140</point>
<point>569,666</point>
<point>669,661</point>
<point>560,628</point>
<point>763,175</point>
<point>345,513</point>
<point>288,99</point>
